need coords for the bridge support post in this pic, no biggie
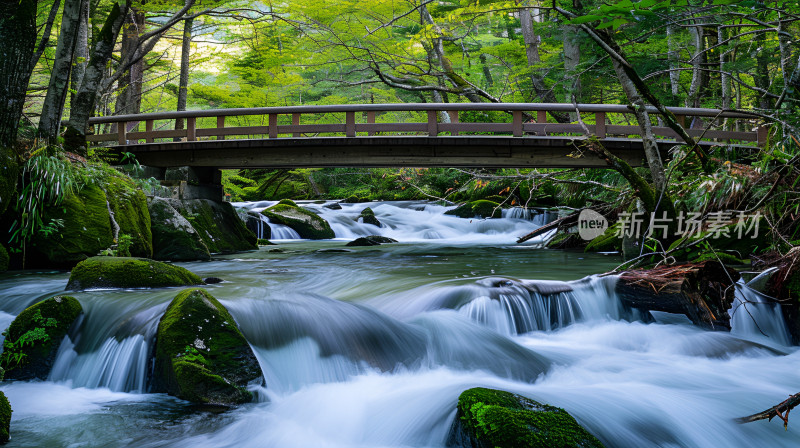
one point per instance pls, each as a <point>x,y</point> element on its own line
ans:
<point>194,182</point>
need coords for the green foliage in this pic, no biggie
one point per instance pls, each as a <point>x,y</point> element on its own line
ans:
<point>5,418</point>
<point>14,353</point>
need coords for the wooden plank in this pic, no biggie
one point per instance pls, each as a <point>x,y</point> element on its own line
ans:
<point>148,127</point>
<point>273,125</point>
<point>614,129</point>
<point>244,131</point>
<point>191,129</point>
<point>433,129</point>
<point>600,124</point>
<point>101,138</point>
<point>295,122</point>
<point>350,124</point>
<point>392,127</point>
<point>220,125</point>
<point>543,129</point>
<point>122,129</point>
<point>371,120</point>
<point>541,116</point>
<point>517,123</point>
<point>477,127</point>
<point>762,134</point>
<point>167,133</point>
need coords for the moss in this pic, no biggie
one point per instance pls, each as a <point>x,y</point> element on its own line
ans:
<point>129,205</point>
<point>493,418</point>
<point>265,242</point>
<point>481,208</point>
<point>724,257</point>
<point>368,217</point>
<point>5,418</point>
<point>174,238</point>
<point>86,229</point>
<point>128,272</point>
<point>287,202</point>
<point>306,223</point>
<point>565,240</point>
<point>3,259</point>
<point>9,172</point>
<point>217,224</point>
<point>607,242</point>
<point>201,355</point>
<point>34,336</point>
<point>353,199</point>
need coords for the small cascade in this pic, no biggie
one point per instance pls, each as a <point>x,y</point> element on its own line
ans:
<point>537,216</point>
<point>280,231</point>
<point>755,317</point>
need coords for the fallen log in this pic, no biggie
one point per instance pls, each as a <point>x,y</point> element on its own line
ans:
<point>702,291</point>
<point>560,223</point>
<point>781,411</point>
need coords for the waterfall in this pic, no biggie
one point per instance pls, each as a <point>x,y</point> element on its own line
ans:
<point>757,317</point>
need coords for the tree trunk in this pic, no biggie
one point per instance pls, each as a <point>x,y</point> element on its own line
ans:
<point>693,99</point>
<point>81,56</point>
<point>702,291</point>
<point>17,41</point>
<point>57,89</point>
<point>532,42</point>
<point>762,71</point>
<point>674,74</point>
<point>77,127</point>
<point>183,83</point>
<point>129,85</point>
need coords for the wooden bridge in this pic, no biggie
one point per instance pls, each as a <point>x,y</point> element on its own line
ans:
<point>413,135</point>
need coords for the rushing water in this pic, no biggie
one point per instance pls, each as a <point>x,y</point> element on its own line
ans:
<point>372,347</point>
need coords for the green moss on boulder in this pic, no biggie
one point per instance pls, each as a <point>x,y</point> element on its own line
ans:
<point>306,223</point>
<point>367,216</point>
<point>128,272</point>
<point>481,208</point>
<point>5,418</point>
<point>3,259</point>
<point>174,237</point>
<point>372,240</point>
<point>86,229</point>
<point>9,172</point>
<point>129,205</point>
<point>607,242</point>
<point>33,338</point>
<point>201,355</point>
<point>287,202</point>
<point>488,418</point>
<point>217,224</point>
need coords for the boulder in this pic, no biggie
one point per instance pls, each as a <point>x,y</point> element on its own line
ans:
<point>217,223</point>
<point>256,224</point>
<point>201,356</point>
<point>129,209</point>
<point>9,173</point>
<point>372,240</point>
<point>333,206</point>
<point>488,418</point>
<point>306,223</point>
<point>174,238</point>
<point>3,259</point>
<point>128,272</point>
<point>477,209</point>
<point>33,338</point>
<point>367,216</point>
<point>353,200</point>
<point>85,230</point>
<point>5,418</point>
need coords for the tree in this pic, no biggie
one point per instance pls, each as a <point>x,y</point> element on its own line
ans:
<point>17,41</point>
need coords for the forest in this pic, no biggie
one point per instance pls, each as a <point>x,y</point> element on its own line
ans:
<point>707,226</point>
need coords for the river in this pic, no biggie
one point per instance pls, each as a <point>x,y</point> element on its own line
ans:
<point>371,347</point>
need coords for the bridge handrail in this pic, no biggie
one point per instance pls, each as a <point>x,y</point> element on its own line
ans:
<point>415,107</point>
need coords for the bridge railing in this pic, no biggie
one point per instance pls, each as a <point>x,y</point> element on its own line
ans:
<point>352,120</point>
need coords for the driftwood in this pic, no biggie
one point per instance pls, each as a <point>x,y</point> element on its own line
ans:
<point>702,291</point>
<point>560,223</point>
<point>781,411</point>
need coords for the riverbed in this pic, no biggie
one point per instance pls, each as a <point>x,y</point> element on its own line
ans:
<point>371,346</point>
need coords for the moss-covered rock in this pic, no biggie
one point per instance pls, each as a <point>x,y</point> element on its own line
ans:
<point>306,223</point>
<point>607,242</point>
<point>85,232</point>
<point>9,172</point>
<point>566,240</point>
<point>33,338</point>
<point>367,216</point>
<point>5,419</point>
<point>201,355</point>
<point>353,199</point>
<point>488,418</point>
<point>129,206</point>
<point>481,208</point>
<point>174,238</point>
<point>287,202</point>
<point>3,259</point>
<point>372,240</point>
<point>217,223</point>
<point>128,272</point>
